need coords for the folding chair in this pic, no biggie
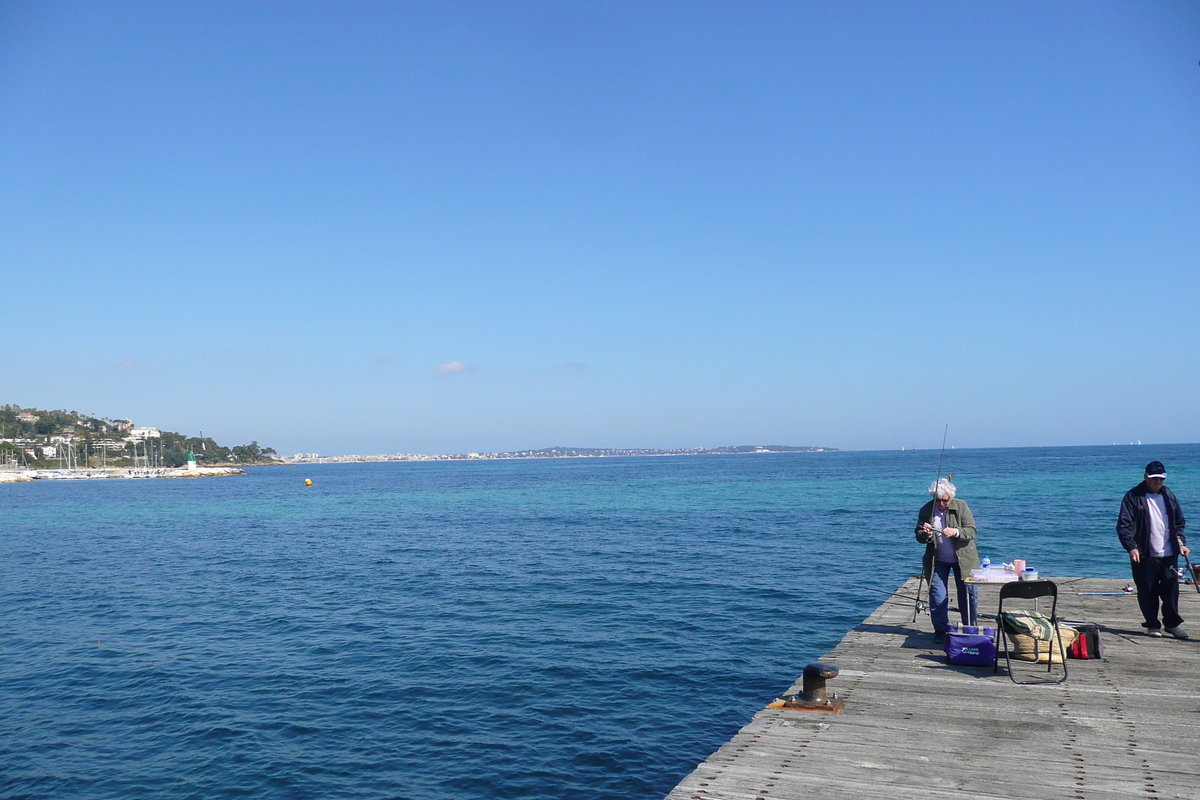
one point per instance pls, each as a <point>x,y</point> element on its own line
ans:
<point>1031,590</point>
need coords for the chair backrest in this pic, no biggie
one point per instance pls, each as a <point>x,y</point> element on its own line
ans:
<point>1029,590</point>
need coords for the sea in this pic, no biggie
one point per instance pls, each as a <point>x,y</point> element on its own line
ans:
<point>556,628</point>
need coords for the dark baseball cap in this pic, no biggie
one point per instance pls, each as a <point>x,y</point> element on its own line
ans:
<point>1155,469</point>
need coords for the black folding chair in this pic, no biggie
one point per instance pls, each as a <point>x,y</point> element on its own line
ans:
<point>1031,590</point>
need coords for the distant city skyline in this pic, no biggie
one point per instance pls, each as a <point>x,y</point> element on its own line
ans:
<point>403,227</point>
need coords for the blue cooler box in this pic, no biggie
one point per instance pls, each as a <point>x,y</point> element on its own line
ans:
<point>974,649</point>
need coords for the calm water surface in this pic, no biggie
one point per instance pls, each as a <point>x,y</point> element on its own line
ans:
<point>527,629</point>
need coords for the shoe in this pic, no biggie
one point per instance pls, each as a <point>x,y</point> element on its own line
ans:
<point>1155,632</point>
<point>1177,632</point>
<point>939,637</point>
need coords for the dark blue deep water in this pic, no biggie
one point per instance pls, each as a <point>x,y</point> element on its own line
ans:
<point>525,629</point>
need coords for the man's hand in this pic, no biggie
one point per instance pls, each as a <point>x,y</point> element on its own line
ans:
<point>951,532</point>
<point>1183,548</point>
<point>1135,556</point>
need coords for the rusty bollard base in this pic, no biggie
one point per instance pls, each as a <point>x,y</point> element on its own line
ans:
<point>832,704</point>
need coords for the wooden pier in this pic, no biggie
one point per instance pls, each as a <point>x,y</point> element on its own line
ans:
<point>1124,726</point>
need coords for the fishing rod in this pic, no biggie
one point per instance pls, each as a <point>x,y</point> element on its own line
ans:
<point>933,560</point>
<point>1191,570</point>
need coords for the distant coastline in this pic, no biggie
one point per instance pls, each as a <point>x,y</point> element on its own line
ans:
<point>555,452</point>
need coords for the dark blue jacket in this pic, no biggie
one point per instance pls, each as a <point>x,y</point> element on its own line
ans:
<point>1133,526</point>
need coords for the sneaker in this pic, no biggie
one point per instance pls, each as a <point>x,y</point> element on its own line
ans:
<point>939,637</point>
<point>1155,632</point>
<point>1177,632</point>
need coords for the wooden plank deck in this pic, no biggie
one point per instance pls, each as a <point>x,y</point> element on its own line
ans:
<point>1124,726</point>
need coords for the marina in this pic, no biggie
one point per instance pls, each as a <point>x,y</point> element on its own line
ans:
<point>99,473</point>
<point>1122,726</point>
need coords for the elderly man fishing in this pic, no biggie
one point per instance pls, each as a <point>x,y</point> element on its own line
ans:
<point>1150,526</point>
<point>946,527</point>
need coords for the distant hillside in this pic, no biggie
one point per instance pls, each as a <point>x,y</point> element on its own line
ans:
<point>43,439</point>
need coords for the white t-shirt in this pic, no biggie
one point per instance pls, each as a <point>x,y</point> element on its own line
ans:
<point>1156,517</point>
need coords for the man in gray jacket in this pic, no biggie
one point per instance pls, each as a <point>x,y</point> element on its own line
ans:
<point>1150,526</point>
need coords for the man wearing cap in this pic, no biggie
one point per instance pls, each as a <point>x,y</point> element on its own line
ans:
<point>1151,529</point>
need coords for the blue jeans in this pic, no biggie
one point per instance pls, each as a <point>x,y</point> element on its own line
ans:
<point>939,598</point>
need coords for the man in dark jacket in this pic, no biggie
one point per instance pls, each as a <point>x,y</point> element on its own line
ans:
<point>1151,529</point>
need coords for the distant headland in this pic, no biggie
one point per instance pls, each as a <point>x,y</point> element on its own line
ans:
<point>556,452</point>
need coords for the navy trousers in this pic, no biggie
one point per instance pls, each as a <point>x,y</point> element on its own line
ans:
<point>1157,581</point>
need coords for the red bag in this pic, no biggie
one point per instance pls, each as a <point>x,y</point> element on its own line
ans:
<point>1087,644</point>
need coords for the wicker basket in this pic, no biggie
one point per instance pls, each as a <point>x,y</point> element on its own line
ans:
<point>1027,648</point>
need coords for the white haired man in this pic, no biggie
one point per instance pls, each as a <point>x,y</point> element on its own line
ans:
<point>946,527</point>
<point>1150,526</point>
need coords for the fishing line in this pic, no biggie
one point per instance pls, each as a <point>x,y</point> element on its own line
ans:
<point>883,591</point>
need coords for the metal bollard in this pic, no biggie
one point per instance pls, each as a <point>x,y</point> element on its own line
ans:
<point>814,696</point>
<point>815,675</point>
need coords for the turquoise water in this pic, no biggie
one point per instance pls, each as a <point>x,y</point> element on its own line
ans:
<point>519,629</point>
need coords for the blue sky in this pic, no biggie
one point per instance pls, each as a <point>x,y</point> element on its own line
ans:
<point>442,227</point>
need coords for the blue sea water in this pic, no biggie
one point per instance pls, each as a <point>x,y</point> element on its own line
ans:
<point>489,629</point>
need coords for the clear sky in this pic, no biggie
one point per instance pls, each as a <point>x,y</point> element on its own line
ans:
<point>441,227</point>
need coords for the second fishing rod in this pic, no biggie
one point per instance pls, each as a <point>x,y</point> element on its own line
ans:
<point>933,561</point>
